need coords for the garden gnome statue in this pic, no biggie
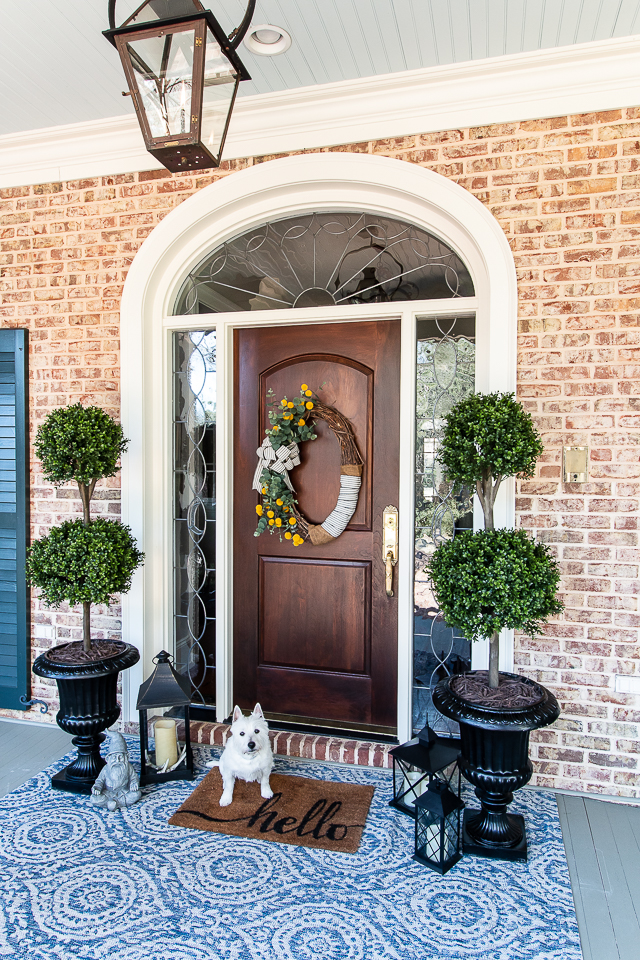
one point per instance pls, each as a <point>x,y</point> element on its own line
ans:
<point>117,784</point>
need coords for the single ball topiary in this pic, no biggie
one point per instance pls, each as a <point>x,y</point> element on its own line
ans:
<point>79,443</point>
<point>83,563</point>
<point>492,579</point>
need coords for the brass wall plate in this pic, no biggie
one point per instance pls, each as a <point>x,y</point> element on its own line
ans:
<point>575,468</point>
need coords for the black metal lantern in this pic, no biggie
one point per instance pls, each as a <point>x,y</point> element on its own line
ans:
<point>418,763</point>
<point>164,688</point>
<point>437,836</point>
<point>183,74</point>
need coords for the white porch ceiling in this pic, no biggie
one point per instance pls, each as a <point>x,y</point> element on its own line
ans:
<point>56,68</point>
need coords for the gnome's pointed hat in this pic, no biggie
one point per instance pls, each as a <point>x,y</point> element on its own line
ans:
<point>117,744</point>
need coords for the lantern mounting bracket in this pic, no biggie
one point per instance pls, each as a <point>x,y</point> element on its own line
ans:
<point>235,38</point>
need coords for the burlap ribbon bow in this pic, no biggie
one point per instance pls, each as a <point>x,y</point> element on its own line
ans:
<point>282,460</point>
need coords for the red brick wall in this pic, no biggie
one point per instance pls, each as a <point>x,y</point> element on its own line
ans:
<point>566,191</point>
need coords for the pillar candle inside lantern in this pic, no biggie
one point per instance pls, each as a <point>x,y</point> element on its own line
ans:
<point>166,739</point>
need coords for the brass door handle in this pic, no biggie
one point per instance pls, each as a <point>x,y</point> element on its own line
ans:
<point>389,545</point>
<point>389,565</point>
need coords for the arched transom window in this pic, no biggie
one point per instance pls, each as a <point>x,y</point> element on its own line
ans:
<point>324,259</point>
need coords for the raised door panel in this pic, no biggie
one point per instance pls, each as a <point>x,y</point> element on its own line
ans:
<point>327,626</point>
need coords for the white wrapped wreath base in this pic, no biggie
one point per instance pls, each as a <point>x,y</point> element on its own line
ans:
<point>279,511</point>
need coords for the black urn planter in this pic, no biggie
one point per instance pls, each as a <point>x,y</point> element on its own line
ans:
<point>88,705</point>
<point>494,757</point>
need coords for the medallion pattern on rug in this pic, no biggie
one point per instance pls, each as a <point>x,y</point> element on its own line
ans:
<point>80,883</point>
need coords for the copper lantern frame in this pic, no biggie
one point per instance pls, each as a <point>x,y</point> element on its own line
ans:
<point>185,150</point>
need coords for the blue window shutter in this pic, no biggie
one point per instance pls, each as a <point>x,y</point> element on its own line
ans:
<point>15,672</point>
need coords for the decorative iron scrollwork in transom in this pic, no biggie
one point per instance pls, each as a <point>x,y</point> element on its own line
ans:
<point>324,259</point>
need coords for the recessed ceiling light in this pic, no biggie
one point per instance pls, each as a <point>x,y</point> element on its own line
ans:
<point>267,40</point>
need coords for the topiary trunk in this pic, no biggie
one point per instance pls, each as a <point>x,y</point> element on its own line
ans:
<point>494,657</point>
<point>86,492</point>
<point>487,491</point>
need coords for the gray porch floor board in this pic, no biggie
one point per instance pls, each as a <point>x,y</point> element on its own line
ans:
<point>602,841</point>
<point>26,749</point>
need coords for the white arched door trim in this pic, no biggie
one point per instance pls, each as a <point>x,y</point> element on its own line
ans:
<point>226,208</point>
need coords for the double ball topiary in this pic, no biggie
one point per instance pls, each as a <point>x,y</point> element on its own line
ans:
<point>492,579</point>
<point>82,561</point>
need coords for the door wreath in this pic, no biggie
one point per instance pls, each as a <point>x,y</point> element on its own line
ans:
<point>292,424</point>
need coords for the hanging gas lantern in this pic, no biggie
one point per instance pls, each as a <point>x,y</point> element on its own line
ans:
<point>183,74</point>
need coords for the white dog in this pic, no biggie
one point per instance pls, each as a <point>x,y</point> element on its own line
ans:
<point>247,754</point>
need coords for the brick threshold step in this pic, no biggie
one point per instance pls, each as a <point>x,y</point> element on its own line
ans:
<point>310,746</point>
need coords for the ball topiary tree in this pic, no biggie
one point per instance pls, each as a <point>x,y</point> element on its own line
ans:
<point>491,579</point>
<point>82,561</point>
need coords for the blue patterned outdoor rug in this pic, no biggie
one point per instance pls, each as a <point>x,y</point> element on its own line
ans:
<point>79,883</point>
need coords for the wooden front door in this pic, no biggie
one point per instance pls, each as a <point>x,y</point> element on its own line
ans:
<point>315,634</point>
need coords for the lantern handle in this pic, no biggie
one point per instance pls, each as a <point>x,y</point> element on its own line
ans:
<point>235,37</point>
<point>163,657</point>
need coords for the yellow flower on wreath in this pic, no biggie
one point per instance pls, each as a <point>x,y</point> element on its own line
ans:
<point>297,540</point>
<point>292,520</point>
<point>278,522</point>
<point>264,489</point>
<point>308,393</point>
<point>259,510</point>
<point>270,513</point>
<point>301,423</point>
<point>288,535</point>
<point>290,405</point>
<point>279,502</point>
<point>309,405</point>
<point>304,387</point>
<point>271,522</point>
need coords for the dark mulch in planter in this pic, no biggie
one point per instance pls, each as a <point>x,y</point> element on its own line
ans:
<point>510,694</point>
<point>72,653</point>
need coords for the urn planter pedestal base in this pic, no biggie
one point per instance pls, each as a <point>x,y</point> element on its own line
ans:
<point>494,758</point>
<point>88,706</point>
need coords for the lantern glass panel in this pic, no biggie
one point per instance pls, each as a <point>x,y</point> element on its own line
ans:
<point>437,837</point>
<point>451,835</point>
<point>220,81</point>
<point>163,68</point>
<point>428,835</point>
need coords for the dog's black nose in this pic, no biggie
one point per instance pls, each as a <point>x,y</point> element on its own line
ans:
<point>251,744</point>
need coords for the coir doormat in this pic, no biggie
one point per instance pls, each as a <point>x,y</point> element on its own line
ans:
<point>309,813</point>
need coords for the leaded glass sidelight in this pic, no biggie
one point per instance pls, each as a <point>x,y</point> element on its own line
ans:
<point>445,358</point>
<point>324,259</point>
<point>194,417</point>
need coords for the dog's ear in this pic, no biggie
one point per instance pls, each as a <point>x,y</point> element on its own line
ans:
<point>237,714</point>
<point>257,711</point>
